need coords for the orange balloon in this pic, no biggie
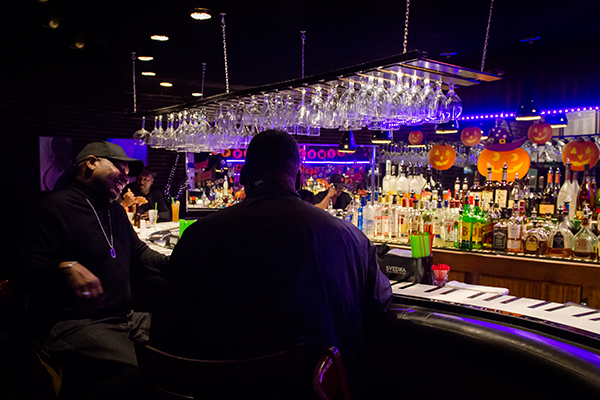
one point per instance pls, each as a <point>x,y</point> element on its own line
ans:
<point>517,162</point>
<point>442,156</point>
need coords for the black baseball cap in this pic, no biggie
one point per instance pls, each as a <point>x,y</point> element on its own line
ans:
<point>111,152</point>
<point>337,180</point>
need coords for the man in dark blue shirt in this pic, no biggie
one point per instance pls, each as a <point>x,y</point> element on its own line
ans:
<point>270,272</point>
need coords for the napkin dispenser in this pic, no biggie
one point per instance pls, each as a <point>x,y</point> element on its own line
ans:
<point>399,265</point>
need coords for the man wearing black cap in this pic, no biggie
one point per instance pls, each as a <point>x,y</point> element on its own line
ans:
<point>335,194</point>
<point>152,197</point>
<point>76,260</point>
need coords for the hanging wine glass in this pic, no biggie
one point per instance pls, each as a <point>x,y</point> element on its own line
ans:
<point>157,134</point>
<point>141,136</point>
<point>350,109</point>
<point>440,101</point>
<point>396,105</point>
<point>316,107</point>
<point>266,113</point>
<point>289,113</point>
<point>302,125</point>
<point>181,132</point>
<point>415,103</point>
<point>368,100</point>
<point>252,116</point>
<point>429,98</point>
<point>170,133</point>
<point>379,115</point>
<point>202,132</point>
<point>331,111</point>
<point>453,104</point>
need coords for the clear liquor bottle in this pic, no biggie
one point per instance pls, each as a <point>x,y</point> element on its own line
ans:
<point>427,217</point>
<point>385,217</point>
<point>448,226</point>
<point>457,188</point>
<point>378,218</point>
<point>535,240</point>
<point>566,189</point>
<point>515,191</point>
<point>585,243</point>
<point>369,218</point>
<point>476,189</point>
<point>393,217</point>
<point>387,178</point>
<point>402,186</point>
<point>402,220</point>
<point>573,203</point>
<point>487,194</point>
<point>438,222</point>
<point>501,192</point>
<point>560,239</point>
<point>514,243</point>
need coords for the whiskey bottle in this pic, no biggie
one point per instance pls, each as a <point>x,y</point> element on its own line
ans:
<point>560,239</point>
<point>477,221</point>
<point>487,234</point>
<point>514,242</point>
<point>535,240</point>
<point>584,196</point>
<point>487,193</point>
<point>501,192</point>
<point>547,200</point>
<point>585,243</point>
<point>476,189</point>
<point>501,233</point>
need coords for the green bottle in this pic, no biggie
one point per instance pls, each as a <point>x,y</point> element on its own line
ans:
<point>478,222</point>
<point>465,228</point>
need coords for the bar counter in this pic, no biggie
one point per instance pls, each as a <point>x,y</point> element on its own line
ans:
<point>537,277</point>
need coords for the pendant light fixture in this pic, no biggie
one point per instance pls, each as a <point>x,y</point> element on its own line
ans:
<point>348,144</point>
<point>529,107</point>
<point>382,137</point>
<point>447,127</point>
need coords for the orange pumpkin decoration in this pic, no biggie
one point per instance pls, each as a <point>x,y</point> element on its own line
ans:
<point>471,136</point>
<point>580,153</point>
<point>415,137</point>
<point>539,133</point>
<point>442,156</point>
<point>517,162</point>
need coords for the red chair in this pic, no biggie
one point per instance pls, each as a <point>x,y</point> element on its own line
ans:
<point>329,379</point>
<point>166,376</point>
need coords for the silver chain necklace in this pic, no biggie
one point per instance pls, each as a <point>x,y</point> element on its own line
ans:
<point>110,242</point>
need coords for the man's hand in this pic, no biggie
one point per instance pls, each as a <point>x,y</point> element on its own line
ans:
<point>129,198</point>
<point>331,192</point>
<point>145,216</point>
<point>81,280</point>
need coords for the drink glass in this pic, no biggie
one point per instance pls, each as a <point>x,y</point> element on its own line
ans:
<point>152,215</point>
<point>175,211</point>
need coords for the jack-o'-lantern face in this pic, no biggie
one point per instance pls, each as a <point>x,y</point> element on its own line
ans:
<point>581,153</point>
<point>517,162</point>
<point>442,156</point>
<point>415,137</point>
<point>471,136</point>
<point>539,133</point>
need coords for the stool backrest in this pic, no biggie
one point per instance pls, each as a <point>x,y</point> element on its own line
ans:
<point>329,378</point>
<point>166,376</point>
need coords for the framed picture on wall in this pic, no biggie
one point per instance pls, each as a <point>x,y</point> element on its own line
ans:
<point>55,160</point>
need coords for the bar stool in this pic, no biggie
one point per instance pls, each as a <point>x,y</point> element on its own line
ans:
<point>166,376</point>
<point>329,378</point>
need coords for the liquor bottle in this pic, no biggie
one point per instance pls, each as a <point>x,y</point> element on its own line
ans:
<point>415,219</point>
<point>487,194</point>
<point>514,242</point>
<point>568,222</point>
<point>477,221</point>
<point>438,182</point>
<point>501,232</point>
<point>556,187</point>
<point>421,177</point>
<point>369,218</point>
<point>448,226</point>
<point>566,189</point>
<point>501,192</point>
<point>515,192</point>
<point>585,194</point>
<point>487,234</point>
<point>561,238</point>
<point>573,203</point>
<point>464,190</point>
<point>476,189</point>
<point>594,193</point>
<point>465,228</point>
<point>457,188</point>
<point>457,225</point>
<point>414,182</point>
<point>360,213</point>
<point>585,243</point>
<point>427,218</point>
<point>387,178</point>
<point>402,183</point>
<point>378,217</point>
<point>427,187</point>
<point>535,240</point>
<point>393,219</point>
<point>385,217</point>
<point>438,225</point>
<point>547,200</point>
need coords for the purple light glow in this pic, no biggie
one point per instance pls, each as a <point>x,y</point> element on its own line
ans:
<point>548,112</point>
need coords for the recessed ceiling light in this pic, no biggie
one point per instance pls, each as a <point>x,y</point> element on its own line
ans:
<point>200,14</point>
<point>197,94</point>
<point>166,84</point>
<point>160,38</point>
<point>148,73</point>
<point>145,58</point>
<point>53,23</point>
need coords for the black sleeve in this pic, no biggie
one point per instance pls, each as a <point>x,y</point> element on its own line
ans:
<point>144,260</point>
<point>319,197</point>
<point>378,291</point>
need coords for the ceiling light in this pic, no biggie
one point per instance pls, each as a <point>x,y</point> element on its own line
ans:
<point>149,73</point>
<point>200,14</point>
<point>166,84</point>
<point>382,137</point>
<point>447,127</point>
<point>53,23</point>
<point>160,38</point>
<point>197,94</point>
<point>145,58</point>
<point>347,144</point>
<point>529,107</point>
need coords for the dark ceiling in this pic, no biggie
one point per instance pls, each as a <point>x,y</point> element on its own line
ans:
<point>264,40</point>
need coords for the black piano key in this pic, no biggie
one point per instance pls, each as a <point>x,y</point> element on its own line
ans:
<point>476,295</point>
<point>433,289</point>
<point>510,300</point>
<point>493,297</point>
<point>585,314</point>
<point>409,285</point>
<point>539,304</point>
<point>595,319</point>
<point>557,308</point>
<point>450,291</point>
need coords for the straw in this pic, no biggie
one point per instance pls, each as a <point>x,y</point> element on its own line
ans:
<point>156,206</point>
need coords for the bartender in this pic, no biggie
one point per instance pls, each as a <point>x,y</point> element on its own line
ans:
<point>146,196</point>
<point>335,194</point>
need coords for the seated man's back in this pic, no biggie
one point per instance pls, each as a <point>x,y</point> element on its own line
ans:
<point>273,271</point>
